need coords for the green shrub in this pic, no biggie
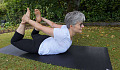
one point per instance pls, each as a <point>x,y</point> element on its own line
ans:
<point>6,25</point>
<point>3,9</point>
<point>55,10</point>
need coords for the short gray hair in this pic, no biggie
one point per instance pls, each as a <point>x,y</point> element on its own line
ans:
<point>72,18</point>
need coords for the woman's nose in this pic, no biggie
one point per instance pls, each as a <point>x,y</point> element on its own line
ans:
<point>82,25</point>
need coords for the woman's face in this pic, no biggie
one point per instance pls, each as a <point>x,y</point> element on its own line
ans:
<point>78,27</point>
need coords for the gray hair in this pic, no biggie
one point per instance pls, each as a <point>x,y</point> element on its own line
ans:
<point>72,18</point>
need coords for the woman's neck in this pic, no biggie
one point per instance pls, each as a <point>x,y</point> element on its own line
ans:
<point>72,33</point>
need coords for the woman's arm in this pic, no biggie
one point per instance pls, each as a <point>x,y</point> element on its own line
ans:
<point>47,30</point>
<point>52,24</point>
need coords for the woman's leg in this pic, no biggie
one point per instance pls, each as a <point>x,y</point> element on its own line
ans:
<point>35,33</point>
<point>37,37</point>
<point>23,44</point>
<point>27,45</point>
<point>21,28</point>
<point>17,40</point>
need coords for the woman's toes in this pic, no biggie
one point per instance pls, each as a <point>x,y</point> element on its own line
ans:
<point>38,15</point>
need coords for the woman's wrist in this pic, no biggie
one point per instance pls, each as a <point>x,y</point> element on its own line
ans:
<point>28,20</point>
<point>36,29</point>
<point>41,18</point>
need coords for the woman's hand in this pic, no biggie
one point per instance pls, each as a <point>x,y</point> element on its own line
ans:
<point>25,18</point>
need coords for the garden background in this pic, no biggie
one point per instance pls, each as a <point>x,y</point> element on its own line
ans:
<point>96,11</point>
<point>55,10</point>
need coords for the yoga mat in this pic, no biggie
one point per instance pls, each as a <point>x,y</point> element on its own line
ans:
<point>77,57</point>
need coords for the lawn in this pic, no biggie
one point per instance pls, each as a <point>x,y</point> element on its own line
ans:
<point>92,36</point>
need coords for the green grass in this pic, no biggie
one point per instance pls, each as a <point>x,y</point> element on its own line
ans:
<point>92,36</point>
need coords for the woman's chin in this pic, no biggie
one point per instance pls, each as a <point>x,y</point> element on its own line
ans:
<point>80,32</point>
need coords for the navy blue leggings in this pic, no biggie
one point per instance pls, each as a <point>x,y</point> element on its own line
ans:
<point>28,45</point>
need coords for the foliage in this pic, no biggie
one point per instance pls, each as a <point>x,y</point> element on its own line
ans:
<point>55,10</point>
<point>101,10</point>
<point>7,24</point>
<point>2,8</point>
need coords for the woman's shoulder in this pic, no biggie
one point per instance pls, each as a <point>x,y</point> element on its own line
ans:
<point>63,26</point>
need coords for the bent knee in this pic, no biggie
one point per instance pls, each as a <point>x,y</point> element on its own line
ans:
<point>12,41</point>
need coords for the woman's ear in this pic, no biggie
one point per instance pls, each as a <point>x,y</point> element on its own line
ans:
<point>71,26</point>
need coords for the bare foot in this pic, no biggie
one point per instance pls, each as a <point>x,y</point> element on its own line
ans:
<point>28,15</point>
<point>28,12</point>
<point>38,15</point>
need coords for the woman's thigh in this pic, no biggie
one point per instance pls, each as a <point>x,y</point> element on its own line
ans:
<point>27,45</point>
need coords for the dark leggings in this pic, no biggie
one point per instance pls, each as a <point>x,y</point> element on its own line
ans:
<point>28,45</point>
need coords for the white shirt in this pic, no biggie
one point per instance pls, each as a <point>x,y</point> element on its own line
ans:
<point>60,43</point>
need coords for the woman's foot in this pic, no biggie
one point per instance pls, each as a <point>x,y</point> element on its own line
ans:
<point>38,15</point>
<point>28,13</point>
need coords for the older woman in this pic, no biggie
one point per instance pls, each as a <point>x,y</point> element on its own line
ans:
<point>58,38</point>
